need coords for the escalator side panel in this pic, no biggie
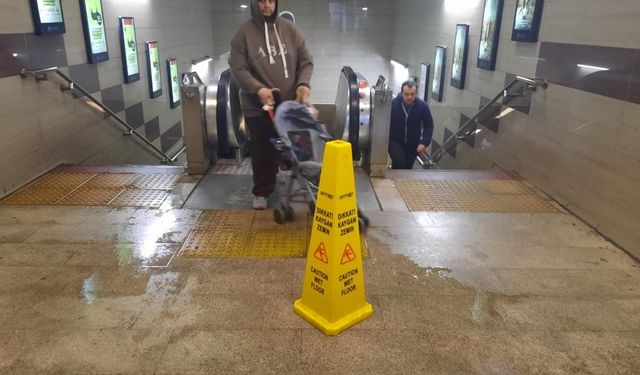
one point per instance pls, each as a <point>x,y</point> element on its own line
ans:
<point>364,115</point>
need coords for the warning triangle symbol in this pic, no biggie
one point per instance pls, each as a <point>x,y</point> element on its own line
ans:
<point>321,253</point>
<point>348,255</point>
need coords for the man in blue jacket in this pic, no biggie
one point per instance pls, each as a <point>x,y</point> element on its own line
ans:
<point>411,127</point>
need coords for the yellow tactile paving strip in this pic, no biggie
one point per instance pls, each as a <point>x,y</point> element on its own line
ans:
<point>91,196</point>
<point>249,234</point>
<point>139,198</point>
<point>95,189</point>
<point>472,196</point>
<point>104,180</point>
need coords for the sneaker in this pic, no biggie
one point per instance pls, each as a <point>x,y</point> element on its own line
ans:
<point>259,203</point>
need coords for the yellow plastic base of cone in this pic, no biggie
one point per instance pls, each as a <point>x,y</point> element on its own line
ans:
<point>335,328</point>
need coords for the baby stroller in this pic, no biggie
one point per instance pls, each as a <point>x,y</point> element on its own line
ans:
<point>301,147</point>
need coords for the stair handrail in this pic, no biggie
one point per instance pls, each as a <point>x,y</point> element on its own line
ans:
<point>41,75</point>
<point>531,84</point>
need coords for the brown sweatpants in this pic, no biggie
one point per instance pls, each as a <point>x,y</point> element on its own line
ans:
<point>264,158</point>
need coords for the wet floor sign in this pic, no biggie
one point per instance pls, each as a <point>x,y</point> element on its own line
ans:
<point>333,292</point>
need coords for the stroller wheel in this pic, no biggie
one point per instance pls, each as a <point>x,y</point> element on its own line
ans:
<point>362,225</point>
<point>363,217</point>
<point>288,214</point>
<point>279,216</point>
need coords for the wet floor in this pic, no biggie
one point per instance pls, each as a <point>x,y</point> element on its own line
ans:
<point>102,290</point>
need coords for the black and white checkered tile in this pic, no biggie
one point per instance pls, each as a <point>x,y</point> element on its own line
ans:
<point>36,52</point>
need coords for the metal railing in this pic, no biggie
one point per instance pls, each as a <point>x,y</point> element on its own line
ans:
<point>41,75</point>
<point>466,130</point>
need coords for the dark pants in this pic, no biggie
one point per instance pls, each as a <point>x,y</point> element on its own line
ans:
<point>263,154</point>
<point>402,156</point>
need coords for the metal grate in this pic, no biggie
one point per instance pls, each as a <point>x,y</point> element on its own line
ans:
<point>472,196</point>
<point>232,167</point>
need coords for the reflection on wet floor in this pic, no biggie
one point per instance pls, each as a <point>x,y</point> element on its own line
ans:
<point>102,290</point>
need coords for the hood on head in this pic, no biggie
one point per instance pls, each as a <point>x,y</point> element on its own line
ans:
<point>257,17</point>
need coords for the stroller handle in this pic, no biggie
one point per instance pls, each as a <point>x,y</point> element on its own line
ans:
<point>271,108</point>
<point>270,112</point>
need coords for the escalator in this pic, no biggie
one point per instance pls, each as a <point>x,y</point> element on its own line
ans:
<point>222,114</point>
<point>225,117</point>
<point>353,111</point>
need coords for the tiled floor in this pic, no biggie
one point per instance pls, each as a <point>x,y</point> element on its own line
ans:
<point>93,290</point>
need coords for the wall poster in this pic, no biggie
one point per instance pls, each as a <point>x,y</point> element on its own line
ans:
<point>153,69</point>
<point>526,22</point>
<point>47,16</point>
<point>460,52</point>
<point>174,83</point>
<point>437,87</point>
<point>423,87</point>
<point>490,34</point>
<point>129,50</point>
<point>95,35</point>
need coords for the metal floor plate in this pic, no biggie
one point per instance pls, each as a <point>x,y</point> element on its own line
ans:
<point>95,189</point>
<point>472,196</point>
<point>226,166</point>
<point>249,234</point>
<point>157,181</point>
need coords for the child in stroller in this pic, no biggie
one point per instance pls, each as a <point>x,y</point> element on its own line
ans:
<point>301,147</point>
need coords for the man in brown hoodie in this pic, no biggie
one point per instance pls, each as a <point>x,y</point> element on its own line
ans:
<point>267,54</point>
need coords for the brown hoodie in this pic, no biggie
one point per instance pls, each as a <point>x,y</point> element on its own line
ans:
<point>254,69</point>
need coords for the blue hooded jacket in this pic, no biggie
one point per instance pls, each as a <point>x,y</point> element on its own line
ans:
<point>413,128</point>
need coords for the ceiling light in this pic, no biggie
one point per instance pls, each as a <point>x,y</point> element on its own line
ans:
<point>365,8</point>
<point>244,6</point>
<point>592,67</point>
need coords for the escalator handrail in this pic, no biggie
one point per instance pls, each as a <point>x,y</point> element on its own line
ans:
<point>221,113</point>
<point>354,109</point>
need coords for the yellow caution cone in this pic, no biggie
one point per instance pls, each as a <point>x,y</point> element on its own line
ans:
<point>333,292</point>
